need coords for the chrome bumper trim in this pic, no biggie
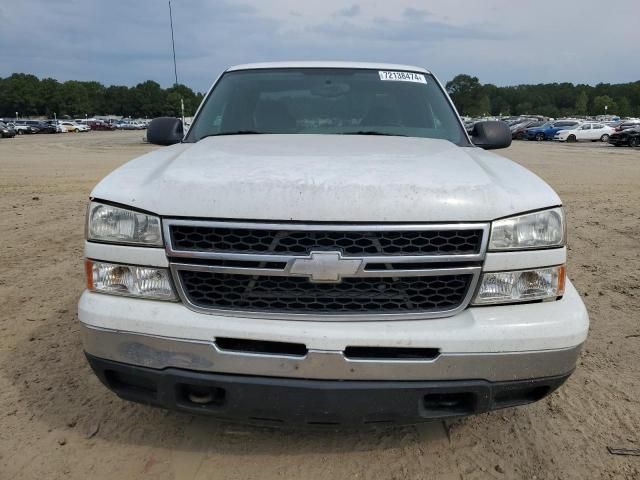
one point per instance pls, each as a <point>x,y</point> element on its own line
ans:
<point>161,352</point>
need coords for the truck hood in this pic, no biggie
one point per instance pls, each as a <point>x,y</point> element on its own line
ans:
<point>346,178</point>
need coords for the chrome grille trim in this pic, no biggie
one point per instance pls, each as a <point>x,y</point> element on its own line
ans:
<point>285,272</point>
<point>177,259</point>
<point>172,252</point>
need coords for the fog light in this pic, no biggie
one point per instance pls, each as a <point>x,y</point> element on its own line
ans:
<point>129,280</point>
<point>521,286</point>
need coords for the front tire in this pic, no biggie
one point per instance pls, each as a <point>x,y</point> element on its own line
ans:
<point>571,139</point>
<point>604,138</point>
<point>539,137</point>
<point>634,142</point>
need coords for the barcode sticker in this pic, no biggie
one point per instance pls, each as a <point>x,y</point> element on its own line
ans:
<point>402,76</point>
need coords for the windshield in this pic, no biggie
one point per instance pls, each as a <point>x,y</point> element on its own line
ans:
<point>327,101</point>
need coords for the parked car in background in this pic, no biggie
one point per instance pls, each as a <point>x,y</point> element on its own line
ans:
<point>132,126</point>
<point>7,131</point>
<point>43,127</point>
<point>55,124</point>
<point>587,132</point>
<point>23,129</point>
<point>628,137</point>
<point>100,125</point>
<point>74,127</point>
<point>548,130</point>
<point>518,131</point>
<point>628,124</point>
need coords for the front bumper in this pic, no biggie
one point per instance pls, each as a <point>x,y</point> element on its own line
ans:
<point>161,353</point>
<point>489,357</point>
<point>329,403</point>
<point>493,343</point>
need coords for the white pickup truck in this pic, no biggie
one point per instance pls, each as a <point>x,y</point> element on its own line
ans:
<point>327,245</point>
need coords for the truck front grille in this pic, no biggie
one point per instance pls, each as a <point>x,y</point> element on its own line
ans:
<point>278,294</point>
<point>300,242</point>
<point>325,272</point>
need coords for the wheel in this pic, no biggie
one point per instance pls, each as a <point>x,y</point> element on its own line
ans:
<point>571,139</point>
<point>539,137</point>
<point>604,138</point>
<point>20,132</point>
<point>520,136</point>
<point>634,142</point>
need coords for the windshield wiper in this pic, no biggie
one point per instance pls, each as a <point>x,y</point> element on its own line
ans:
<point>373,132</point>
<point>236,132</point>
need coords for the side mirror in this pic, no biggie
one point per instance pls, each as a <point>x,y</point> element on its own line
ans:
<point>165,131</point>
<point>491,135</point>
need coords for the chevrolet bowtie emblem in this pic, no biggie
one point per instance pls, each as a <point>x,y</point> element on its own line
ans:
<point>325,266</point>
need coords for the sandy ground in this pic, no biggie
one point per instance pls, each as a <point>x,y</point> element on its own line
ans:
<point>58,421</point>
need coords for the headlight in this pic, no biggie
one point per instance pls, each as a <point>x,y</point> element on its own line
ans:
<point>533,230</point>
<point>522,286</point>
<point>132,281</point>
<point>106,223</point>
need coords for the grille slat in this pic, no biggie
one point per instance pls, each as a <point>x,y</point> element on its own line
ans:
<point>216,290</point>
<point>350,243</point>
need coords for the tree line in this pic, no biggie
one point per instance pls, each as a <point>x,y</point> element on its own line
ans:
<point>551,99</point>
<point>30,96</point>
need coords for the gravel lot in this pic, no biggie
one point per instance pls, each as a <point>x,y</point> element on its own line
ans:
<point>58,421</point>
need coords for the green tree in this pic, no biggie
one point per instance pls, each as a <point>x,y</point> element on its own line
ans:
<point>483,106</point>
<point>191,100</point>
<point>524,108</point>
<point>95,97</point>
<point>149,99</point>
<point>73,99</point>
<point>582,103</point>
<point>29,95</point>
<point>500,106</point>
<point>20,94</point>
<point>623,106</point>
<point>116,101</point>
<point>599,104</point>
<point>467,95</point>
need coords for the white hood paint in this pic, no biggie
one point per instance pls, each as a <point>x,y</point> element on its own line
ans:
<point>326,178</point>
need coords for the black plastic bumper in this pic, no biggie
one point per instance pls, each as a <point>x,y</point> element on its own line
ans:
<point>282,401</point>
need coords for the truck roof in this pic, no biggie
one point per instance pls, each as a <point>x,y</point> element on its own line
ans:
<point>315,64</point>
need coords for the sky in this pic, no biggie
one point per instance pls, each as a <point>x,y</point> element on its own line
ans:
<point>504,42</point>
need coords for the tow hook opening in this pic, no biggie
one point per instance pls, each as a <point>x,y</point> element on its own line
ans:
<point>202,396</point>
<point>457,403</point>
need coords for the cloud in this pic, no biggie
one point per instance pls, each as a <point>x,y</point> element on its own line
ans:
<point>415,29</point>
<point>126,42</point>
<point>415,13</point>
<point>351,11</point>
